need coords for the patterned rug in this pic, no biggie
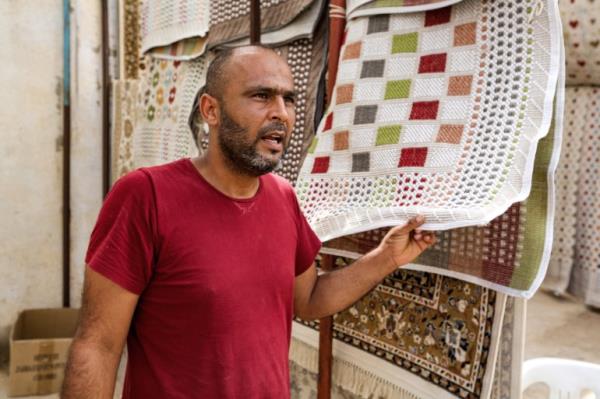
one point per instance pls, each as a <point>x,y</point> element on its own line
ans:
<point>415,335</point>
<point>165,22</point>
<point>361,8</point>
<point>507,369</point>
<point>510,254</point>
<point>435,113</point>
<point>581,19</point>
<point>125,93</point>
<point>164,105</point>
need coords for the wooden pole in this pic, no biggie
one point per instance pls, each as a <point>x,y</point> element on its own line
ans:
<point>325,344</point>
<point>255,22</point>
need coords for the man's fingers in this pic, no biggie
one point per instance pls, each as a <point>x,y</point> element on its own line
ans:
<point>412,224</point>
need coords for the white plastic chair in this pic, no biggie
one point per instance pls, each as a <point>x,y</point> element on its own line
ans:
<point>567,379</point>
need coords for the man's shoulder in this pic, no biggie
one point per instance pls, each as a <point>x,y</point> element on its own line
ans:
<point>144,178</point>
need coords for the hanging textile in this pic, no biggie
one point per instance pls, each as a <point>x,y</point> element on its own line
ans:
<point>578,109</point>
<point>165,22</point>
<point>124,95</point>
<point>575,265</point>
<point>230,20</point>
<point>417,111</point>
<point>130,39</point>
<point>302,27</point>
<point>361,8</point>
<point>510,254</point>
<point>164,105</point>
<point>581,20</point>
<point>416,334</point>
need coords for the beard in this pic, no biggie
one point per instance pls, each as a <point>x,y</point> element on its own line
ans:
<point>241,153</point>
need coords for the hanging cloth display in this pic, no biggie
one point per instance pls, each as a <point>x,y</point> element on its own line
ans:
<point>422,108</point>
<point>230,20</point>
<point>165,22</point>
<point>361,8</point>
<point>164,105</point>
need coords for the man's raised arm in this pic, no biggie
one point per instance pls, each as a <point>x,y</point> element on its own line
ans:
<point>104,321</point>
<point>320,296</point>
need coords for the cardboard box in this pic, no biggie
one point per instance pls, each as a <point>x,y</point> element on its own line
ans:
<point>39,346</point>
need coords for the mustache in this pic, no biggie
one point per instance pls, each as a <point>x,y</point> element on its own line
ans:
<point>279,126</point>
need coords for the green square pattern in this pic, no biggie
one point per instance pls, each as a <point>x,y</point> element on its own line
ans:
<point>313,145</point>
<point>406,43</point>
<point>388,135</point>
<point>397,89</point>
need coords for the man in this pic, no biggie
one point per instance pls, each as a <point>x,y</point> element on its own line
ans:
<point>200,264</point>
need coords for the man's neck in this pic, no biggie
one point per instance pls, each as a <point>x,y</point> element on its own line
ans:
<point>221,176</point>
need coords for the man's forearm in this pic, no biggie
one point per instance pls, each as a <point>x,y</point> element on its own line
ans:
<point>337,290</point>
<point>90,373</point>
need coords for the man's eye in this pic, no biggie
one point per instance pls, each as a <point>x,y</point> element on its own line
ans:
<point>290,100</point>
<point>262,96</point>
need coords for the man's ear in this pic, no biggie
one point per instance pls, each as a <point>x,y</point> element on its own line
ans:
<point>209,109</point>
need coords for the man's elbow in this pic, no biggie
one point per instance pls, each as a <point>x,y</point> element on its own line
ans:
<point>307,312</point>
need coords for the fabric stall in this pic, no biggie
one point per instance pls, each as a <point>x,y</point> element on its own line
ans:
<point>447,108</point>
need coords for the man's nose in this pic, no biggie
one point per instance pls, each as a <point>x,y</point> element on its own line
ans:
<point>279,110</point>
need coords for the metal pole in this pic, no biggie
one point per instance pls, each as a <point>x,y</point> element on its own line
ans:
<point>105,101</point>
<point>325,344</point>
<point>66,203</point>
<point>255,22</point>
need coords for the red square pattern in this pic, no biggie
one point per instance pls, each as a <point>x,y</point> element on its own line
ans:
<point>433,63</point>
<point>423,110</point>
<point>415,156</point>
<point>321,165</point>
<point>438,17</point>
<point>328,122</point>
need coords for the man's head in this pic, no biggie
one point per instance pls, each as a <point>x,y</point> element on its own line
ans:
<point>248,104</point>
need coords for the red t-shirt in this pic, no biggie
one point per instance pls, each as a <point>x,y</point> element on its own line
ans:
<point>215,277</point>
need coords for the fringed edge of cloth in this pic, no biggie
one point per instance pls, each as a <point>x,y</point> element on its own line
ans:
<point>346,375</point>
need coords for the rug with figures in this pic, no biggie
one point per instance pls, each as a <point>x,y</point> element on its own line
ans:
<point>507,367</point>
<point>419,333</point>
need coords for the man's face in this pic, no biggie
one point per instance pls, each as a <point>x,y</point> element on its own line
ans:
<point>256,111</point>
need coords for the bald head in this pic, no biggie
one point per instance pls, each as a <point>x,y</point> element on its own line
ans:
<point>218,74</point>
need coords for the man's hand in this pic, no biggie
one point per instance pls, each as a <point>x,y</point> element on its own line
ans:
<point>402,244</point>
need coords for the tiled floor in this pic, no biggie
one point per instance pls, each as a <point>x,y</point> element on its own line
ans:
<point>559,327</point>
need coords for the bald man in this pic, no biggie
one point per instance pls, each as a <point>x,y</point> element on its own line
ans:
<point>200,264</point>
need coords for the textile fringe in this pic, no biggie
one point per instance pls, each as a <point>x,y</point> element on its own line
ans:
<point>347,375</point>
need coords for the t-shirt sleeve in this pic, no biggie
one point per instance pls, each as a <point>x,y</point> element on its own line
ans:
<point>308,242</point>
<point>122,243</point>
